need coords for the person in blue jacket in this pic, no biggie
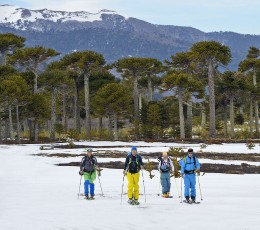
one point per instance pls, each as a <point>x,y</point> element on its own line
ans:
<point>190,165</point>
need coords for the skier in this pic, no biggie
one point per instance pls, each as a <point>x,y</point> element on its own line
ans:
<point>133,164</point>
<point>190,165</point>
<point>88,167</point>
<point>165,166</point>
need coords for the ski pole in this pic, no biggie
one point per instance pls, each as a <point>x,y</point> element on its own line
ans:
<point>177,187</point>
<point>79,185</point>
<point>122,188</point>
<point>100,185</point>
<point>200,188</point>
<point>144,186</point>
<point>181,189</point>
<point>159,185</point>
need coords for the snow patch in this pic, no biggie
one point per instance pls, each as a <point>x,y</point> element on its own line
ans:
<point>19,18</point>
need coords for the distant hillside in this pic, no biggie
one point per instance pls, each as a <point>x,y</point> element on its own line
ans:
<point>112,34</point>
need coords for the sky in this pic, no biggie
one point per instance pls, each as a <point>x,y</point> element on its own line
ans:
<point>240,16</point>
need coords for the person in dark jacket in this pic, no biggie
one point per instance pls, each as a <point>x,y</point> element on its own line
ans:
<point>88,168</point>
<point>133,164</point>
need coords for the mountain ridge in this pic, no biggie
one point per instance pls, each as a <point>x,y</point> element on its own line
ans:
<point>112,34</point>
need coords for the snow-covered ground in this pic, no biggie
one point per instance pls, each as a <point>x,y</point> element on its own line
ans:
<point>36,194</point>
<point>159,146</point>
<point>145,147</point>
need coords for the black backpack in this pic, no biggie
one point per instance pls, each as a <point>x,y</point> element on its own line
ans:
<point>134,166</point>
<point>89,164</point>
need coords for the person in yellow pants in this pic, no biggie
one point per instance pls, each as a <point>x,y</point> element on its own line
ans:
<point>133,165</point>
<point>133,185</point>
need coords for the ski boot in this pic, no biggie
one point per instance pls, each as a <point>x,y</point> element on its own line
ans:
<point>130,201</point>
<point>136,202</point>
<point>187,200</point>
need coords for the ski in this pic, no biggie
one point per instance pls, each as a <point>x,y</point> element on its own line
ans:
<point>196,202</point>
<point>89,198</point>
<point>190,202</point>
<point>187,202</point>
<point>133,202</point>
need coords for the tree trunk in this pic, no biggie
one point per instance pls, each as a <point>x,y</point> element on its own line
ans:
<point>181,115</point>
<point>111,136</point>
<point>189,118</point>
<point>25,125</point>
<point>100,128</point>
<point>150,89</point>
<point>232,124</point>
<point>87,103</point>
<point>251,117</point>
<point>4,58</point>
<point>36,131</point>
<point>115,127</point>
<point>140,102</point>
<point>6,129</point>
<point>64,112</point>
<point>136,108</point>
<point>11,128</point>
<point>225,122</point>
<point>203,117</point>
<point>241,110</point>
<point>256,119</point>
<point>1,135</point>
<point>212,116</point>
<point>256,108</point>
<point>18,129</point>
<point>35,82</point>
<point>53,114</point>
<point>36,124</point>
<point>76,106</point>
<point>31,124</point>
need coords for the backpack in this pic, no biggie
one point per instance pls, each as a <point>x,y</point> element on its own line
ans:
<point>133,166</point>
<point>164,167</point>
<point>194,161</point>
<point>89,164</point>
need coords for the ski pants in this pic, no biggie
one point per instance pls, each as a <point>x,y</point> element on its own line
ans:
<point>89,182</point>
<point>190,185</point>
<point>165,182</point>
<point>133,185</point>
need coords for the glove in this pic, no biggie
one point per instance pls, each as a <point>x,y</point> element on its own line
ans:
<point>197,171</point>
<point>98,169</point>
<point>176,174</point>
<point>183,175</point>
<point>124,172</point>
<point>80,173</point>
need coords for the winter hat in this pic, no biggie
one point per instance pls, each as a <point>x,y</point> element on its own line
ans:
<point>89,150</point>
<point>190,150</point>
<point>133,148</point>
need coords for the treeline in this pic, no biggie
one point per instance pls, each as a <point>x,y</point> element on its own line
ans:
<point>40,91</point>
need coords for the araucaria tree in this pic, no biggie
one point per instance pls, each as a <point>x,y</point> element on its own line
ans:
<point>212,54</point>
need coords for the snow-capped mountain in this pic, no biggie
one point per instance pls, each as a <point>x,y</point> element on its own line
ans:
<point>112,34</point>
<point>21,18</point>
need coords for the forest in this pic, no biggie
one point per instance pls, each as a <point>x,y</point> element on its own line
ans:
<point>49,96</point>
